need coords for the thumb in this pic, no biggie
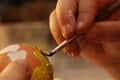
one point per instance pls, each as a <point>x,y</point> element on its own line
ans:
<point>17,70</point>
<point>105,32</point>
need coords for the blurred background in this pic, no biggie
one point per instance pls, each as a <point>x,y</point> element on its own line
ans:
<point>27,21</point>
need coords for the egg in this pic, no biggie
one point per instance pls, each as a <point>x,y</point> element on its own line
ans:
<point>40,67</point>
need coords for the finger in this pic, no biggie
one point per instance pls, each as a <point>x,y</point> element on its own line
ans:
<point>72,49</point>
<point>65,11</point>
<point>105,32</point>
<point>86,14</point>
<point>17,70</point>
<point>88,10</point>
<point>55,29</point>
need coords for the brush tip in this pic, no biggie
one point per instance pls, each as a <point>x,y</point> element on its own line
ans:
<point>47,53</point>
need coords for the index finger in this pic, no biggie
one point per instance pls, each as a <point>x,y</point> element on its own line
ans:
<point>65,11</point>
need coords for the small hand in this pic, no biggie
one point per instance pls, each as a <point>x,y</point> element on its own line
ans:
<point>17,70</point>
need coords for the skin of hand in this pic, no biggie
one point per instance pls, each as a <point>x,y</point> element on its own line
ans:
<point>101,43</point>
<point>17,70</point>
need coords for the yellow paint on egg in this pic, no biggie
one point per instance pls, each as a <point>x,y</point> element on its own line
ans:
<point>42,72</point>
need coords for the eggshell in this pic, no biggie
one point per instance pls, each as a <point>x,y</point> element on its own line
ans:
<point>40,68</point>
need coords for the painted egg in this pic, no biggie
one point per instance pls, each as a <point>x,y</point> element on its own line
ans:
<point>40,67</point>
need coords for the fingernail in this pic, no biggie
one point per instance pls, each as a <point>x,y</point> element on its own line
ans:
<point>79,25</point>
<point>70,13</point>
<point>72,55</point>
<point>67,29</point>
<point>22,62</point>
<point>75,53</point>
